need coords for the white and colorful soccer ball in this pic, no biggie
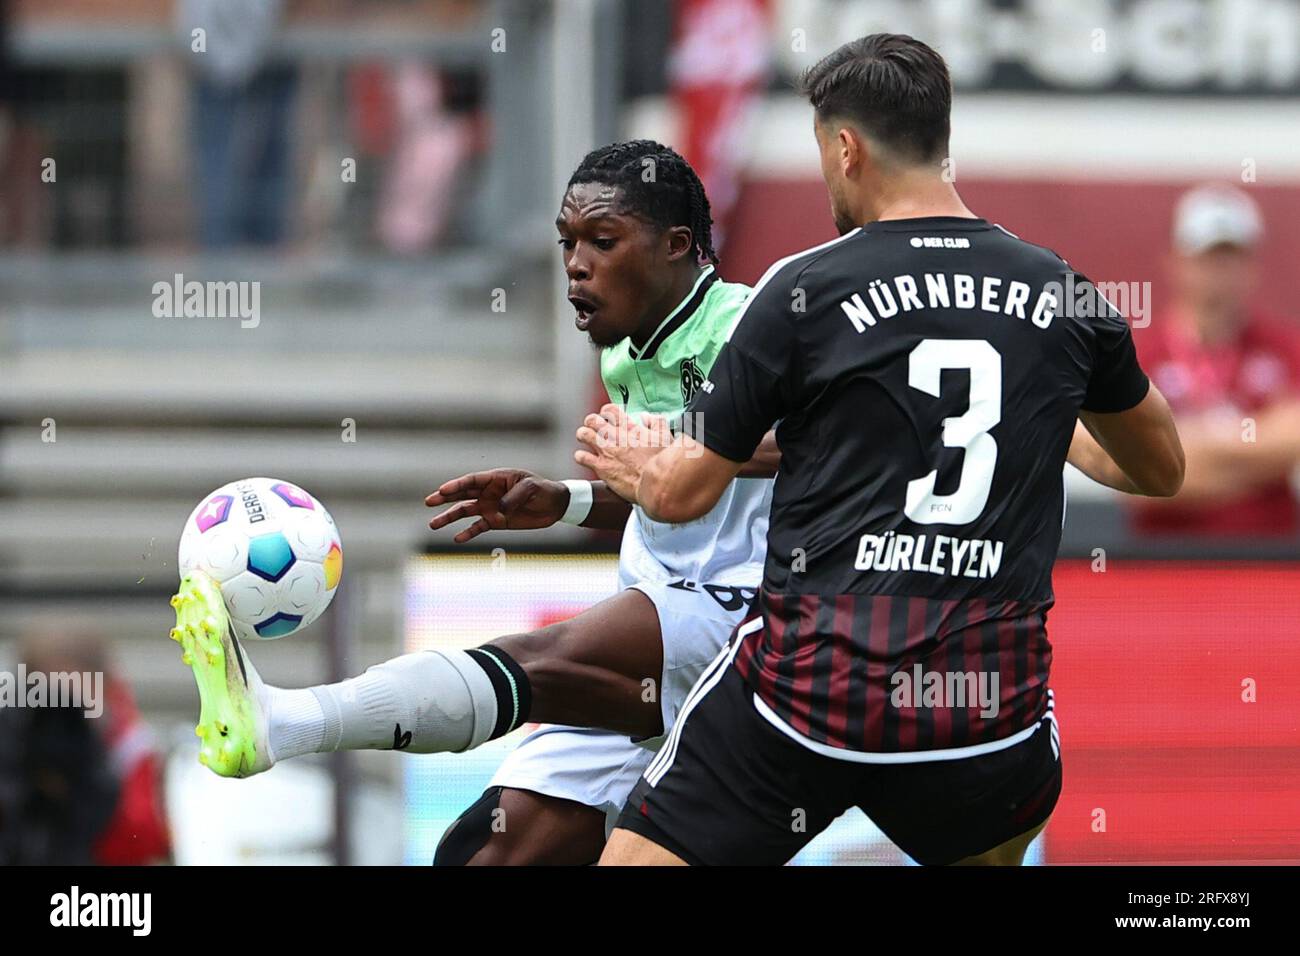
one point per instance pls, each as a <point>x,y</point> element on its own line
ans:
<point>272,548</point>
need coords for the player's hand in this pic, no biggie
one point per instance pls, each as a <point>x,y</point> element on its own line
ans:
<point>618,447</point>
<point>503,499</point>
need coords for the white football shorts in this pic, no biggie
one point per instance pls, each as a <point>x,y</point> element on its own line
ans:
<point>599,768</point>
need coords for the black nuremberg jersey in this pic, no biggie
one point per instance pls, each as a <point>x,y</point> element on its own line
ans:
<point>926,375</point>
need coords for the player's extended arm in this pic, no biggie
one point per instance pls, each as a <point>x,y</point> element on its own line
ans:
<point>1135,451</point>
<point>1091,459</point>
<point>675,484</point>
<point>684,481</point>
<point>511,499</point>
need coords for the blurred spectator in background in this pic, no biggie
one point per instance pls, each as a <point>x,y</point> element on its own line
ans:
<point>430,145</point>
<point>77,790</point>
<point>242,109</point>
<point>57,788</point>
<point>20,143</point>
<point>138,832</point>
<point>1231,374</point>
<point>74,113</point>
<point>717,68</point>
<point>8,124</point>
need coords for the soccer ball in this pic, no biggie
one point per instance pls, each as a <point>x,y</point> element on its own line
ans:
<point>272,548</point>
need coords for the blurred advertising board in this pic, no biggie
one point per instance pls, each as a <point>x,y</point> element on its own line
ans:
<point>1177,692</point>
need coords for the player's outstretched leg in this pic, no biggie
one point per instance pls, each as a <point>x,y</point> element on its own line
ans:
<point>589,671</point>
<point>509,827</point>
<point>593,670</point>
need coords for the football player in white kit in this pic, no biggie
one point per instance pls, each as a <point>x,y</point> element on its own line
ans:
<point>606,684</point>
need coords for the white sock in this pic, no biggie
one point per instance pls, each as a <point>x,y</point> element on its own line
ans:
<point>426,702</point>
<point>295,722</point>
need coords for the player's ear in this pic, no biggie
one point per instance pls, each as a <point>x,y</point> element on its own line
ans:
<point>680,242</point>
<point>853,150</point>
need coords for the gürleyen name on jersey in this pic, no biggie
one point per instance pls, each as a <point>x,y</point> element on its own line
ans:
<point>937,554</point>
<point>885,298</point>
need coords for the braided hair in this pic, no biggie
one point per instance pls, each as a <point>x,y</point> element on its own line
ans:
<point>657,184</point>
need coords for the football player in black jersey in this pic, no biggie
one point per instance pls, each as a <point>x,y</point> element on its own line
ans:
<point>926,369</point>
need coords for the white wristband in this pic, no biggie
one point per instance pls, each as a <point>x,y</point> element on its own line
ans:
<point>580,501</point>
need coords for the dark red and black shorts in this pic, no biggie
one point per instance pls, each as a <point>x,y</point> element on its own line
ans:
<point>729,787</point>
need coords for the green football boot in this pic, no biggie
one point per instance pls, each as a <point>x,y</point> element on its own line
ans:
<point>232,721</point>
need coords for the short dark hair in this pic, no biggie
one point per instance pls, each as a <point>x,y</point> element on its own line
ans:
<point>894,86</point>
<point>672,196</point>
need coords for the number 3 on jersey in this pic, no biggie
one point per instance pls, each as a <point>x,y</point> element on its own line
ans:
<point>970,431</point>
